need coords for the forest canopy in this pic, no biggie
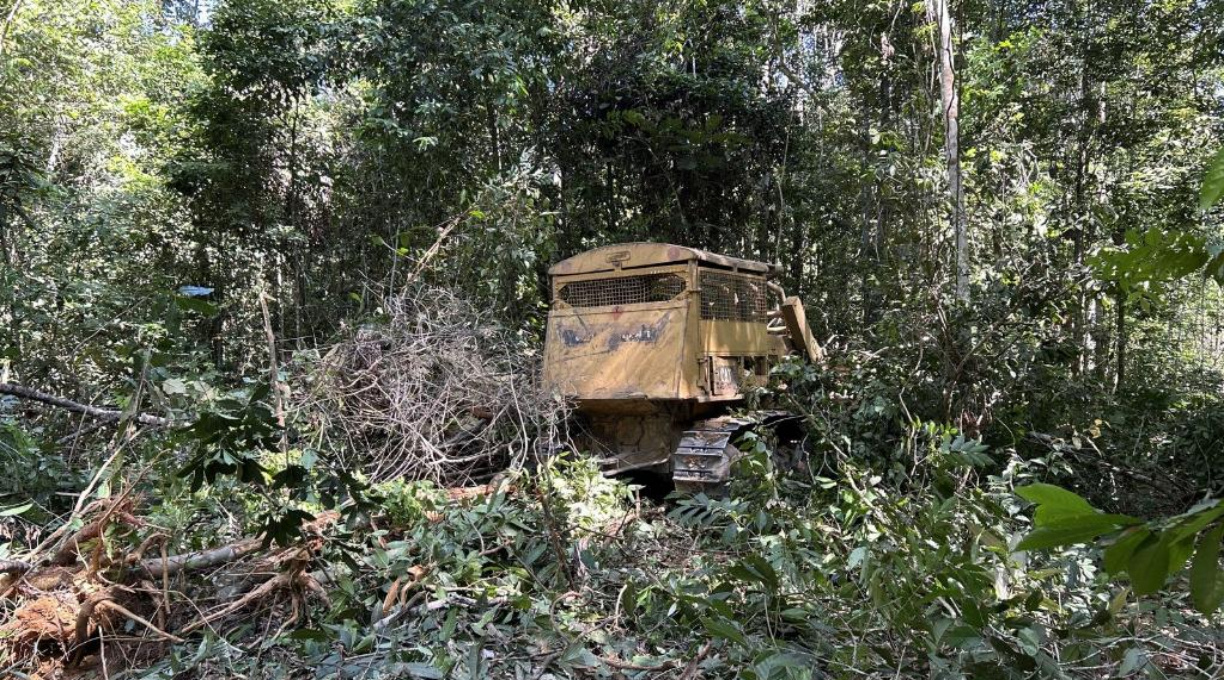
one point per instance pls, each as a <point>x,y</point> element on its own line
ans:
<point>274,294</point>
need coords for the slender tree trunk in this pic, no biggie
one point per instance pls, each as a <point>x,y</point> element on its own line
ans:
<point>865,235</point>
<point>4,241</point>
<point>1090,114</point>
<point>495,135</point>
<point>293,204</point>
<point>611,199</point>
<point>1098,329</point>
<point>881,216</point>
<point>1120,369</point>
<point>8,23</point>
<point>938,13</point>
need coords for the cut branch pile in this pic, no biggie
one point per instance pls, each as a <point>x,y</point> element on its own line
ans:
<point>437,392</point>
<point>82,592</point>
<point>79,590</point>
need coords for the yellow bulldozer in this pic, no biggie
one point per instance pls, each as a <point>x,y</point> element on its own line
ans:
<point>655,344</point>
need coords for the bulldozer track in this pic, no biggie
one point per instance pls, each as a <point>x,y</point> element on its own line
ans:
<point>703,459</point>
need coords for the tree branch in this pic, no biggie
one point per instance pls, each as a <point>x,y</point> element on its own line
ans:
<point>77,407</point>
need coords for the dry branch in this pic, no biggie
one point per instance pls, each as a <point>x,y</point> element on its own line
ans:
<point>211,557</point>
<point>77,407</point>
<point>630,666</point>
<point>70,549</point>
<point>435,248</point>
<point>437,392</point>
<point>111,604</point>
<point>14,567</point>
<point>690,671</point>
<point>269,586</point>
<point>65,607</point>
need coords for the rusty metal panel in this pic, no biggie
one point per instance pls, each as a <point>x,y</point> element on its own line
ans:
<point>618,352</point>
<point>584,289</point>
<point>650,332</point>
<point>726,376</point>
<point>795,318</point>
<point>734,312</point>
<point>738,338</point>
<point>622,290</point>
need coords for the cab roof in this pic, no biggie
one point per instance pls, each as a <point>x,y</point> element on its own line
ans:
<point>635,255</point>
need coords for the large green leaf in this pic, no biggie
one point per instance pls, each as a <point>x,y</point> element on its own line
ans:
<point>1117,555</point>
<point>1151,258</point>
<point>726,630</point>
<point>1196,519</point>
<point>15,510</point>
<point>1072,529</point>
<point>1206,586</point>
<point>1054,502</point>
<point>1149,567</point>
<point>1215,268</point>
<point>1213,182</point>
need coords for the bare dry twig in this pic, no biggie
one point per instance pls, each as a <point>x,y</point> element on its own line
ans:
<point>437,392</point>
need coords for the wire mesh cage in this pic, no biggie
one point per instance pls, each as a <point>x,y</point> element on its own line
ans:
<point>727,297</point>
<point>622,290</point>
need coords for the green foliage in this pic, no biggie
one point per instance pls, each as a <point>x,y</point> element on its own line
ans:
<point>238,436</point>
<point>317,156</point>
<point>1149,553</point>
<point>35,476</point>
<point>1151,260</point>
<point>933,573</point>
<point>230,439</point>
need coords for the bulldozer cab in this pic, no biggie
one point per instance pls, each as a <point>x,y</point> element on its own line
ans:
<point>665,323</point>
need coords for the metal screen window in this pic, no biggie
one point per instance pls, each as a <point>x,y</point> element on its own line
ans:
<point>725,297</point>
<point>622,290</point>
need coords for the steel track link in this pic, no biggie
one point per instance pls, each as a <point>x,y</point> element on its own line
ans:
<point>703,459</point>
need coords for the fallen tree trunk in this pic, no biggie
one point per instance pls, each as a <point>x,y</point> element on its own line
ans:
<point>14,567</point>
<point>77,407</point>
<point>202,559</point>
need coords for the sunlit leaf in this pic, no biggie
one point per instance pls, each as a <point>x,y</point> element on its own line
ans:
<point>15,510</point>
<point>1054,502</point>
<point>1071,530</point>
<point>1213,182</point>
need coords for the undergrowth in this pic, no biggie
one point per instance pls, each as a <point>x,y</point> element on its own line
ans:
<point>890,552</point>
<point>564,573</point>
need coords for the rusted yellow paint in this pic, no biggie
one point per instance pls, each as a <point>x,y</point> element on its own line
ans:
<point>739,338</point>
<point>641,370</point>
<point>619,353</point>
<point>795,318</point>
<point>652,350</point>
<point>636,255</point>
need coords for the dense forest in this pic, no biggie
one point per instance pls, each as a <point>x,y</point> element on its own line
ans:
<point>273,300</point>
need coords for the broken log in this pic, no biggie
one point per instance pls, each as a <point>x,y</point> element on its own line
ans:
<point>202,559</point>
<point>16,567</point>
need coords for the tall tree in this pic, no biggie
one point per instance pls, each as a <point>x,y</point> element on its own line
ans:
<point>939,14</point>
